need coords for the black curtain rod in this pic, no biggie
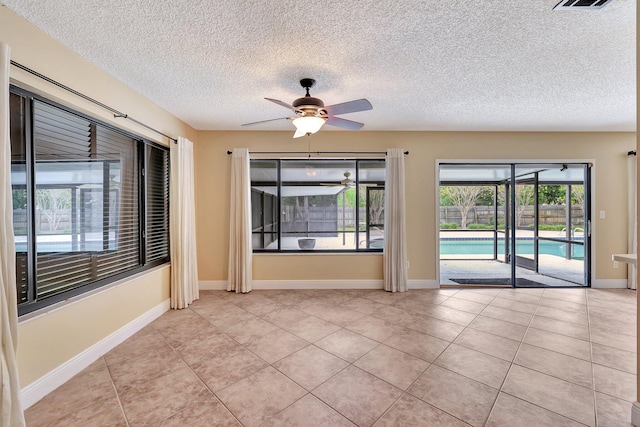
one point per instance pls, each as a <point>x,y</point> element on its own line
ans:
<point>116,114</point>
<point>316,152</point>
<point>631,153</point>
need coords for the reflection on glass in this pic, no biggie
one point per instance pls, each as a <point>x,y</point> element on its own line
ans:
<point>372,175</point>
<point>553,261</point>
<point>72,213</point>
<point>317,203</point>
<point>264,204</point>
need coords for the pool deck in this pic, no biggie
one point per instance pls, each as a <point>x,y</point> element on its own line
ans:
<point>553,271</point>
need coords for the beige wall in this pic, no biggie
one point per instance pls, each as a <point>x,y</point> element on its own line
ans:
<point>47,341</point>
<point>608,151</point>
<point>54,337</point>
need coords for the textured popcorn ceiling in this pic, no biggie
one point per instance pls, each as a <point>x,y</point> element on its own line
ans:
<point>424,65</point>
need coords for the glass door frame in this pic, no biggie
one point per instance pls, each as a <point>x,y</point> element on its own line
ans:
<point>510,211</point>
<point>569,241</point>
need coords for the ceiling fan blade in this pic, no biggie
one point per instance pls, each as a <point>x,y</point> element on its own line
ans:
<point>282,103</point>
<point>344,124</point>
<point>265,121</point>
<point>349,107</point>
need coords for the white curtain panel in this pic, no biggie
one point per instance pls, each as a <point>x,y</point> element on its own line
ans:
<point>395,242</point>
<point>632,239</point>
<point>184,262</point>
<point>240,251</point>
<point>11,408</point>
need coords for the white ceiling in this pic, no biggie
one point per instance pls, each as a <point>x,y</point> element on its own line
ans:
<point>424,64</point>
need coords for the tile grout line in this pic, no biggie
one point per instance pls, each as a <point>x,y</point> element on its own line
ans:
<point>194,372</point>
<point>593,372</point>
<point>441,367</point>
<point>201,380</point>
<point>553,376</point>
<point>307,392</point>
<point>115,390</point>
<point>511,364</point>
<point>516,355</point>
<point>266,362</point>
<point>404,393</point>
<point>203,383</point>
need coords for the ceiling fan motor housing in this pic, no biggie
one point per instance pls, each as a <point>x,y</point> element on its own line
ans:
<point>308,101</point>
<point>309,105</point>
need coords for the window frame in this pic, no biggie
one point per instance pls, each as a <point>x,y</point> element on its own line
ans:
<point>360,235</point>
<point>140,146</point>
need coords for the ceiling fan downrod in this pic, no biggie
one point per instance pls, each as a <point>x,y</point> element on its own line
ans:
<point>307,84</point>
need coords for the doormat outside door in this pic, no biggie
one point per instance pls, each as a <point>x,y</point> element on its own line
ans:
<point>520,282</point>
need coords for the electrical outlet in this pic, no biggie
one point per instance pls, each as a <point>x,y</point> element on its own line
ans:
<point>407,265</point>
<point>602,214</point>
<point>615,264</point>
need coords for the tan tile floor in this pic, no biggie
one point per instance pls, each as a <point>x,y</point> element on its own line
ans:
<point>449,357</point>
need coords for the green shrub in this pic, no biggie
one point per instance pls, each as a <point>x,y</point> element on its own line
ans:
<point>479,227</point>
<point>449,226</point>
<point>551,227</point>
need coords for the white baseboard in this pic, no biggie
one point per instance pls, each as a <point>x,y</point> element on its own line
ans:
<point>317,284</point>
<point>215,285</point>
<point>212,285</point>
<point>609,283</point>
<point>635,414</point>
<point>44,385</point>
<point>424,284</point>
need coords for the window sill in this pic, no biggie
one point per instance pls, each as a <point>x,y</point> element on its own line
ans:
<point>90,294</point>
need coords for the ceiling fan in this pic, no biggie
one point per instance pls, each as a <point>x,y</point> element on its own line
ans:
<point>347,182</point>
<point>311,113</point>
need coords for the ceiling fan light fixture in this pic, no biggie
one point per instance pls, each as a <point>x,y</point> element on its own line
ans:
<point>307,125</point>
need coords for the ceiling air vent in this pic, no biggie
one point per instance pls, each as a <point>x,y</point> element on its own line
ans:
<point>581,4</point>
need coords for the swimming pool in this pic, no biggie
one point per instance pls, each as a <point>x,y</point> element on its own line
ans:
<point>66,246</point>
<point>481,246</point>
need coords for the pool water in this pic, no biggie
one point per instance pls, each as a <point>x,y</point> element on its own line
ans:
<point>523,247</point>
<point>41,247</point>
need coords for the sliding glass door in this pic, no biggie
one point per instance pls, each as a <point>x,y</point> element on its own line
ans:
<point>562,224</point>
<point>528,228</point>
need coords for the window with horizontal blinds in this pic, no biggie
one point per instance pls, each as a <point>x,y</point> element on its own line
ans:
<point>82,202</point>
<point>18,108</point>
<point>120,223</point>
<point>157,198</point>
<point>58,138</point>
